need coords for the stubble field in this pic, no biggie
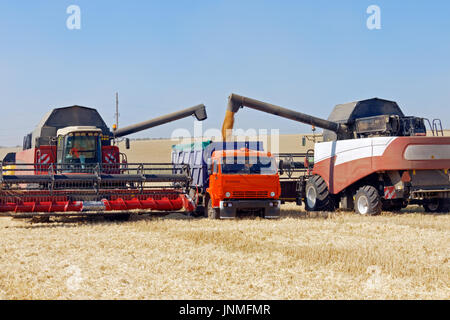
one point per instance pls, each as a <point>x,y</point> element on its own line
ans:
<point>324,256</point>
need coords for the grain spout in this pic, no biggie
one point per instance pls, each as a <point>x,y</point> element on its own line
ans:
<point>227,125</point>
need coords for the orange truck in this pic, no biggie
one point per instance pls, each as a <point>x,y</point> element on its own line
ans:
<point>231,180</point>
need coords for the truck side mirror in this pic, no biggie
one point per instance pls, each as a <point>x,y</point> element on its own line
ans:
<point>209,167</point>
<point>127,143</point>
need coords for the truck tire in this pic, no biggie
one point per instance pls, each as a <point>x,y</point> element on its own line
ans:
<point>368,201</point>
<point>439,205</point>
<point>213,213</point>
<point>317,196</point>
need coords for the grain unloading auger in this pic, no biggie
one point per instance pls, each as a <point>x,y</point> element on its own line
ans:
<point>373,157</point>
<point>70,165</point>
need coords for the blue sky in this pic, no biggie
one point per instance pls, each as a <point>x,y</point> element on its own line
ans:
<point>165,55</point>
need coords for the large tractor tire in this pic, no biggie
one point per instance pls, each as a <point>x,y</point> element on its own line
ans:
<point>437,206</point>
<point>317,196</point>
<point>213,213</point>
<point>368,201</point>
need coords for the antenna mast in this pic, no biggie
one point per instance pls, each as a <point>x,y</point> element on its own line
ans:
<point>117,110</point>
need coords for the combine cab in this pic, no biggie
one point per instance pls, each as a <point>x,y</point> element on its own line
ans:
<point>70,165</point>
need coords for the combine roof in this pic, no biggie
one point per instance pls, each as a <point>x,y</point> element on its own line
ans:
<point>59,118</point>
<point>349,112</point>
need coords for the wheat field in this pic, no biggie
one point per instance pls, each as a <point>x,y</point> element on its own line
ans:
<point>337,255</point>
<point>324,256</point>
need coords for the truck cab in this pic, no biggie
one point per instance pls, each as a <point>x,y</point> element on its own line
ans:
<point>243,182</point>
<point>79,145</point>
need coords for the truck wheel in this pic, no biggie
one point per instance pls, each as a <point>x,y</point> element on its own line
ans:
<point>438,205</point>
<point>317,196</point>
<point>213,213</point>
<point>368,201</point>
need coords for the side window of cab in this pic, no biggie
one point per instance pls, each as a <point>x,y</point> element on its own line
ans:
<point>215,167</point>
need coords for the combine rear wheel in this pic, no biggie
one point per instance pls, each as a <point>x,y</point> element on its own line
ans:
<point>438,205</point>
<point>368,201</point>
<point>317,196</point>
<point>213,213</point>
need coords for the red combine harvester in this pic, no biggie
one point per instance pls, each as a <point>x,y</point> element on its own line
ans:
<point>71,165</point>
<point>373,158</point>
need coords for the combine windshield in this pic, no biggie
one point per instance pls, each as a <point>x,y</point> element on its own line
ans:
<point>82,148</point>
<point>249,165</point>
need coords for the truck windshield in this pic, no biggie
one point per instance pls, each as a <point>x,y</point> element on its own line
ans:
<point>248,165</point>
<point>82,148</point>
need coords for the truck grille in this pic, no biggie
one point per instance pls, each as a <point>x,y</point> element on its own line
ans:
<point>250,194</point>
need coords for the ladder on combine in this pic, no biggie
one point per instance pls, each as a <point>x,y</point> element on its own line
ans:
<point>293,168</point>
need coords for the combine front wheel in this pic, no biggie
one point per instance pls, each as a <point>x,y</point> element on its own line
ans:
<point>317,196</point>
<point>368,201</point>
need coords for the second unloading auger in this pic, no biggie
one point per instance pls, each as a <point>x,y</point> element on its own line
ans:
<point>70,164</point>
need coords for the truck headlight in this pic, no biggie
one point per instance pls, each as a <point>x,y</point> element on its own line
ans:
<point>273,204</point>
<point>272,194</point>
<point>227,194</point>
